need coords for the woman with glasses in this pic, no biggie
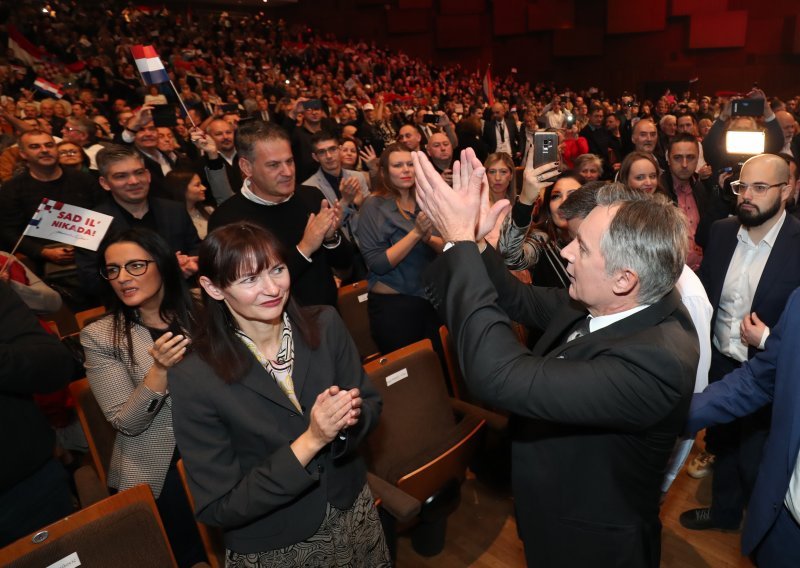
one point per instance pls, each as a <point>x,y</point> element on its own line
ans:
<point>72,156</point>
<point>128,352</point>
<point>269,411</point>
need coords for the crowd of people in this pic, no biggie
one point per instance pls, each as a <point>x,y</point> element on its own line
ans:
<point>294,162</point>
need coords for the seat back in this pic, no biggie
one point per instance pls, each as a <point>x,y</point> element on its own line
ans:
<point>457,383</point>
<point>123,531</point>
<point>99,433</point>
<point>86,316</point>
<point>353,308</point>
<point>418,443</point>
<point>211,536</point>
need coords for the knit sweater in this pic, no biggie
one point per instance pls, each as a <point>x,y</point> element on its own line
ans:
<point>312,282</point>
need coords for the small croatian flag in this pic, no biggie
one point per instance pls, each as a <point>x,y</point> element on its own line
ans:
<point>149,64</point>
<point>48,87</point>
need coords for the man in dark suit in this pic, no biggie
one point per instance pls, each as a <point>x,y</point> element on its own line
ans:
<point>599,402</point>
<point>124,175</point>
<point>500,133</point>
<point>599,139</point>
<point>772,526</point>
<point>750,267</point>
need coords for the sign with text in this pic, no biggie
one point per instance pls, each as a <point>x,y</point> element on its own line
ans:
<point>68,224</point>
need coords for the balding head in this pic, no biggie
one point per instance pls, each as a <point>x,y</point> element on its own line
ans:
<point>764,191</point>
<point>498,111</point>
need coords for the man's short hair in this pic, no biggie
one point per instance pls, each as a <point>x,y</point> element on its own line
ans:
<point>322,136</point>
<point>683,137</point>
<point>649,237</point>
<point>114,153</point>
<point>257,131</point>
<point>33,132</point>
<point>580,202</point>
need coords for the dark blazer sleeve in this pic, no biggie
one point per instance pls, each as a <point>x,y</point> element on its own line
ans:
<point>630,385</point>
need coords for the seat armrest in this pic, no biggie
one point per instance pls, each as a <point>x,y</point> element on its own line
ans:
<point>397,502</point>
<point>494,421</point>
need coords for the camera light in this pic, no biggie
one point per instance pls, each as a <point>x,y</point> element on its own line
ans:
<point>744,142</point>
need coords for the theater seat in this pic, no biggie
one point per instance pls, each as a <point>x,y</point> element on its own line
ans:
<point>87,316</point>
<point>211,536</point>
<point>124,531</point>
<point>422,445</point>
<point>353,309</point>
<point>99,433</point>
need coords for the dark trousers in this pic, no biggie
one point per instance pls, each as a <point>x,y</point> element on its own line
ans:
<point>42,498</point>
<point>397,320</point>
<point>737,447</point>
<point>178,519</point>
<point>781,545</point>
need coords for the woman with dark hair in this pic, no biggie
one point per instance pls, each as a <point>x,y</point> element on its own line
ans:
<point>185,186</point>
<point>72,157</point>
<point>537,247</point>
<point>397,244</point>
<point>639,170</point>
<point>128,352</point>
<point>269,410</point>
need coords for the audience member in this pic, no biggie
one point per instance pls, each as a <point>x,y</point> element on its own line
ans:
<point>278,472</point>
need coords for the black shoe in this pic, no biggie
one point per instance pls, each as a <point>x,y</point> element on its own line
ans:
<point>700,520</point>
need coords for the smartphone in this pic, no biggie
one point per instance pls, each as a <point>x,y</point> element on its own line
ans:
<point>230,108</point>
<point>164,115</point>
<point>545,148</point>
<point>747,107</point>
<point>430,119</point>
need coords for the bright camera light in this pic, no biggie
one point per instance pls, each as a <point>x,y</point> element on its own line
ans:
<point>744,142</point>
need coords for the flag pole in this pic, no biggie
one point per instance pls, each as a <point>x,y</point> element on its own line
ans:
<point>180,100</point>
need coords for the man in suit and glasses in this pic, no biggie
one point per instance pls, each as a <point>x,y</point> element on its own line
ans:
<point>599,402</point>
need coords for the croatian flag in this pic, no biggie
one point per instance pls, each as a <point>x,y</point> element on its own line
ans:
<point>48,87</point>
<point>149,64</point>
<point>488,86</point>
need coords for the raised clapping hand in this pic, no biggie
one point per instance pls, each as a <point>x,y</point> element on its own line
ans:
<point>456,212</point>
<point>333,411</point>
<point>351,192</point>
<point>320,226</point>
<point>168,350</point>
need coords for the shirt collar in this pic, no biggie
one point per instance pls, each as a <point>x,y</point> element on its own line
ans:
<point>248,194</point>
<point>599,322</point>
<point>744,236</point>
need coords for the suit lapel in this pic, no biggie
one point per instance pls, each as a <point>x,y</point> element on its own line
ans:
<point>563,320</point>
<point>261,382</point>
<point>785,245</point>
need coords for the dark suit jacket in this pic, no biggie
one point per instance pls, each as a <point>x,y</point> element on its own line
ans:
<point>769,377</point>
<point>172,220</point>
<point>709,205</point>
<point>490,135</point>
<point>594,420</point>
<point>158,185</point>
<point>780,277</point>
<point>599,140</point>
<point>235,438</point>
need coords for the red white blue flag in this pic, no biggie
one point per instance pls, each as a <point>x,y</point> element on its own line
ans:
<point>488,86</point>
<point>57,221</point>
<point>48,87</point>
<point>149,64</point>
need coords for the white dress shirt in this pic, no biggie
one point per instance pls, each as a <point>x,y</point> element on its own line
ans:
<point>739,288</point>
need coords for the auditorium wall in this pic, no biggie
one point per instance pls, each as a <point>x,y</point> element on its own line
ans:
<point>615,44</point>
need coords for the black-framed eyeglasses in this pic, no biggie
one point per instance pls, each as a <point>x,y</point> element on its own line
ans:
<point>134,268</point>
<point>739,187</point>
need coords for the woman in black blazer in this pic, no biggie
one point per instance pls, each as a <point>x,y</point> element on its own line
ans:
<point>268,412</point>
